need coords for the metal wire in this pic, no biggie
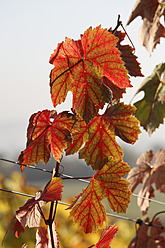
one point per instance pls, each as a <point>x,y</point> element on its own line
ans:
<point>79,179</point>
<point>108,214</point>
<point>30,166</point>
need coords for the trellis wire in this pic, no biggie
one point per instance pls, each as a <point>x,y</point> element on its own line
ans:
<point>74,178</point>
<point>30,166</point>
<point>135,195</point>
<point>108,214</point>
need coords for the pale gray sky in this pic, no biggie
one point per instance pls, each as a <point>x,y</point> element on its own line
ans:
<point>29,32</point>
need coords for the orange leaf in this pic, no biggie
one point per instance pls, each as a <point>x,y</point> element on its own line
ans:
<point>114,188</point>
<point>126,126</point>
<point>79,136</point>
<point>45,137</point>
<point>101,143</point>
<point>107,183</point>
<point>107,237</point>
<point>89,213</point>
<point>53,190</point>
<point>102,131</point>
<point>79,66</point>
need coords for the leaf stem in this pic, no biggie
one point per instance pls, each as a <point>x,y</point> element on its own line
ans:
<point>41,212</point>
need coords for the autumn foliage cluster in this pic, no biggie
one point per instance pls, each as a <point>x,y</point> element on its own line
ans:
<point>97,69</point>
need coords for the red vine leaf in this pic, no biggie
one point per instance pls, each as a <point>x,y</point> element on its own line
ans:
<point>131,63</point>
<point>102,131</point>
<point>55,236</point>
<point>148,173</point>
<point>29,214</point>
<point>121,117</point>
<point>107,236</point>
<point>79,136</point>
<point>152,30</point>
<point>107,183</point>
<point>149,236</point>
<point>53,190</point>
<point>43,237</point>
<point>151,109</point>
<point>18,229</point>
<point>45,137</point>
<point>89,213</point>
<point>117,92</point>
<point>114,188</point>
<point>79,66</point>
<point>101,143</point>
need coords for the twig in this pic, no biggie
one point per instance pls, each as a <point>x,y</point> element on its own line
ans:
<point>119,23</point>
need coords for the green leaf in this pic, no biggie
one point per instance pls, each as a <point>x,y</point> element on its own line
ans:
<point>151,109</point>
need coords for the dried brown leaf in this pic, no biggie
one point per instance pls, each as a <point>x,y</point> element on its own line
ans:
<point>152,30</point>
<point>148,173</point>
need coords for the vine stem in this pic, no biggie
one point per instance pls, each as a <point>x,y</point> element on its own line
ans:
<point>51,214</point>
<point>50,223</point>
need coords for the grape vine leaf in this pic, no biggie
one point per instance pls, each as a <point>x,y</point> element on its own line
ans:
<point>128,56</point>
<point>18,229</point>
<point>43,237</point>
<point>107,236</point>
<point>107,183</point>
<point>45,137</point>
<point>102,131</point>
<point>148,173</point>
<point>53,190</point>
<point>79,66</point>
<point>117,92</point>
<point>79,136</point>
<point>152,30</point>
<point>55,236</point>
<point>131,64</point>
<point>29,214</point>
<point>149,236</point>
<point>151,109</point>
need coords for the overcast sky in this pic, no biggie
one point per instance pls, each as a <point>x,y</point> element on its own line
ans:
<point>29,32</point>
